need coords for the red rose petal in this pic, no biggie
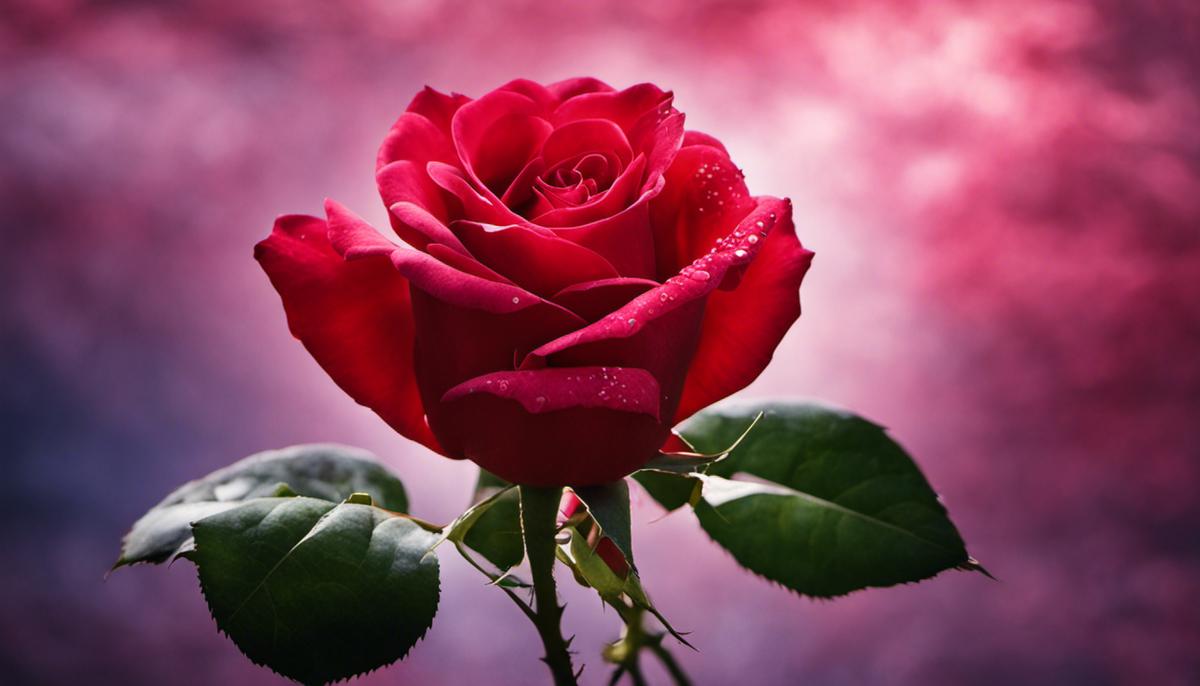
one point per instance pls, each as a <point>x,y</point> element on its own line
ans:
<point>592,300</point>
<point>703,195</point>
<point>625,107</point>
<point>354,318</point>
<point>583,136</point>
<point>495,136</point>
<point>536,259</point>
<point>419,228</point>
<point>406,181</point>
<point>552,427</point>
<point>437,107</point>
<point>659,330</point>
<point>742,327</point>
<point>413,137</point>
<point>618,197</point>
<point>355,239</point>
<point>569,88</point>
<point>549,390</point>
<point>698,138</point>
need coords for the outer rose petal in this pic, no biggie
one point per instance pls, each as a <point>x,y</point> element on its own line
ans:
<point>415,138</point>
<point>550,427</point>
<point>742,327</point>
<point>354,318</point>
<point>437,107</point>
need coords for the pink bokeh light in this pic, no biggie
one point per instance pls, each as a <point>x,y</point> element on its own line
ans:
<point>1004,200</point>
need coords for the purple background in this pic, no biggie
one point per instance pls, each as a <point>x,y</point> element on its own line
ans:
<point>1004,199</point>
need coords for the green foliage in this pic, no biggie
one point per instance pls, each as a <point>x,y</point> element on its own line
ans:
<point>835,506</point>
<point>317,591</point>
<point>330,472</point>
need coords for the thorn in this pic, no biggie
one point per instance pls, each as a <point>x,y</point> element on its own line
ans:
<point>973,565</point>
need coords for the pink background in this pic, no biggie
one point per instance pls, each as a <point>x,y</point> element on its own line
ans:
<point>1004,199</point>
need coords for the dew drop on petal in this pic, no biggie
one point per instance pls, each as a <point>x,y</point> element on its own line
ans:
<point>516,300</point>
<point>739,253</point>
<point>752,239</point>
<point>700,275</point>
<point>632,322</point>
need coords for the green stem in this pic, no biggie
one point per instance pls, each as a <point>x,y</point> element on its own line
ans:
<point>669,662</point>
<point>634,639</point>
<point>539,509</point>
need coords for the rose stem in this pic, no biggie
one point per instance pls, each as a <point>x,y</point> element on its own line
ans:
<point>539,510</point>
<point>635,639</point>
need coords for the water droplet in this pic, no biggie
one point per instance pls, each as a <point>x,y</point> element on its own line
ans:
<point>631,322</point>
<point>516,300</point>
<point>739,253</point>
<point>540,400</point>
<point>504,385</point>
<point>759,224</point>
<point>752,239</point>
<point>700,275</point>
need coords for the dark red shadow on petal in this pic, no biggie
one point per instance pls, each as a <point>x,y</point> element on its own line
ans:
<point>591,300</point>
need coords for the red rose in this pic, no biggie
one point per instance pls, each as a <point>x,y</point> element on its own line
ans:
<point>586,274</point>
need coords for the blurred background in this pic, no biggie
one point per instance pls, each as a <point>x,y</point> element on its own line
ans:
<point>1004,199</point>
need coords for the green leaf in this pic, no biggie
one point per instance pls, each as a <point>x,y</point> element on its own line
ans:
<point>330,472</point>
<point>317,591</point>
<point>669,489</point>
<point>845,507</point>
<point>609,507</point>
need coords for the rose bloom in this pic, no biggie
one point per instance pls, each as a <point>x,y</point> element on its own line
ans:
<point>584,273</point>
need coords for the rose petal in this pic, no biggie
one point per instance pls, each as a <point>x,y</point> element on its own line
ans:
<point>549,390</point>
<point>703,195</point>
<point>611,202</point>
<point>622,239</point>
<point>664,145</point>
<point>464,263</point>
<point>536,259</point>
<point>354,318</point>
<point>742,327</point>
<point>592,300</point>
<point>545,99</point>
<point>475,204</point>
<point>659,330</point>
<point>495,136</point>
<point>419,228</point>
<point>437,107</point>
<point>569,88</point>
<point>406,181</point>
<point>552,427</point>
<point>624,107</point>
<point>355,239</point>
<point>698,138</point>
<point>583,136</point>
<point>413,137</point>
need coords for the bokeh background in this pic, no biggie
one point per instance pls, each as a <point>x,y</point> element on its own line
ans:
<point>1004,199</point>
